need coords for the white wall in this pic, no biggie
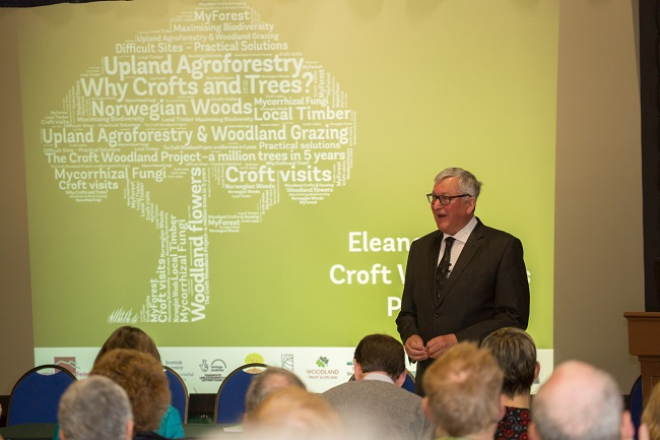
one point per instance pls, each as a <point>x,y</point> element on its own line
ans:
<point>598,213</point>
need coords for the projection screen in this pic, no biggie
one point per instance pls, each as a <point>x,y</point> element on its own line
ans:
<point>242,179</point>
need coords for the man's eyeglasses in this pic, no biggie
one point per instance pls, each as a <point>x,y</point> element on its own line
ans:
<point>444,200</point>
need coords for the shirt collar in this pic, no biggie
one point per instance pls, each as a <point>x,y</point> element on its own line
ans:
<point>378,376</point>
<point>464,233</point>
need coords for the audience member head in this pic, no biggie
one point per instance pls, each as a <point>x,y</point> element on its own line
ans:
<point>515,352</point>
<point>143,379</point>
<point>380,353</point>
<point>463,392</point>
<point>651,415</point>
<point>129,337</point>
<point>264,383</point>
<point>95,409</point>
<point>293,412</point>
<point>579,402</point>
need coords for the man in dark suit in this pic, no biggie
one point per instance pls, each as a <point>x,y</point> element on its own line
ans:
<point>463,281</point>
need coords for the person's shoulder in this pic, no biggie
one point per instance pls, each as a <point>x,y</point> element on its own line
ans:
<point>406,395</point>
<point>427,239</point>
<point>365,386</point>
<point>339,389</point>
<point>493,233</point>
<point>342,394</point>
<point>391,390</point>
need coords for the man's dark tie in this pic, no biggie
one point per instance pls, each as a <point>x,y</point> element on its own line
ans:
<point>443,268</point>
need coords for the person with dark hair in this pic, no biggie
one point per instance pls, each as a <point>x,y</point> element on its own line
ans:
<point>515,352</point>
<point>464,393</point>
<point>95,409</point>
<point>374,405</point>
<point>145,383</point>
<point>463,281</point>
<point>272,378</point>
<point>129,337</point>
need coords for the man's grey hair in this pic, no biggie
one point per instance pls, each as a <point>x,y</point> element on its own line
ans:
<point>264,383</point>
<point>467,183</point>
<point>583,403</point>
<point>95,408</point>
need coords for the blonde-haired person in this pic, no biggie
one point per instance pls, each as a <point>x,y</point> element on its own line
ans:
<point>463,393</point>
<point>651,414</point>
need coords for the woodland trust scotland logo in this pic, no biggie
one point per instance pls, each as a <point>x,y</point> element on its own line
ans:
<point>323,372</point>
<point>287,361</point>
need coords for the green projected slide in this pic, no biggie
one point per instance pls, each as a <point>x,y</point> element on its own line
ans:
<point>248,176</point>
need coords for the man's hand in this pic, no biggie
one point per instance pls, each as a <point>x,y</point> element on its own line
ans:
<point>438,345</point>
<point>415,348</point>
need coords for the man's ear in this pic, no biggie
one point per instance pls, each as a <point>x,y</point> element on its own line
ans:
<point>401,379</point>
<point>359,375</point>
<point>472,205</point>
<point>537,370</point>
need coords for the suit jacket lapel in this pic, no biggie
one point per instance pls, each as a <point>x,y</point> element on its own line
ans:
<point>469,251</point>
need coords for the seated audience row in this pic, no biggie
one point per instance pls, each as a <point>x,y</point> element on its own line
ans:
<point>125,396</point>
<point>475,393</point>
